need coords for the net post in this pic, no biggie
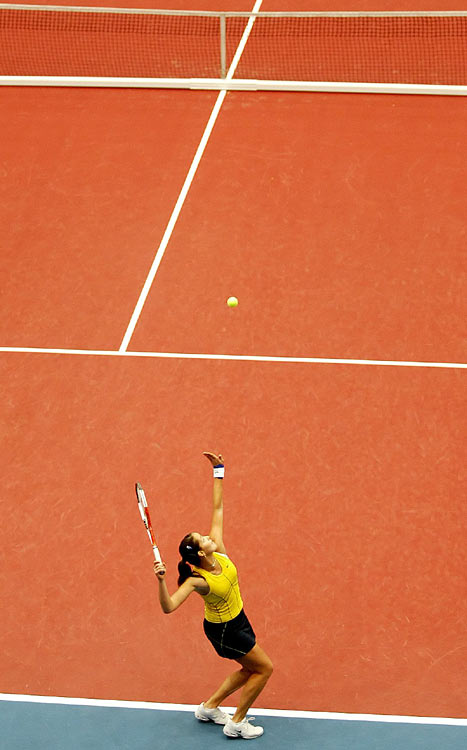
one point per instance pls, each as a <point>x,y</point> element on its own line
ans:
<point>223,45</point>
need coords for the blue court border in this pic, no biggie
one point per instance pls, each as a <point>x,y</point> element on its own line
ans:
<point>39,723</point>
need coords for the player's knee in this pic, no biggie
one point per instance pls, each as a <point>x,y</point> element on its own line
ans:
<point>267,668</point>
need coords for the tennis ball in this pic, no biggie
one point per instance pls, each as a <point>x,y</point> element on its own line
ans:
<point>232,302</point>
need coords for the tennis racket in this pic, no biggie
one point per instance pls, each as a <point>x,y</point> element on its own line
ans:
<point>144,511</point>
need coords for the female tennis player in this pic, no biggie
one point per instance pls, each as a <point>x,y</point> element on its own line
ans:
<point>206,569</point>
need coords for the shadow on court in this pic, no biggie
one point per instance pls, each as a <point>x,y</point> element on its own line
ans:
<point>62,727</point>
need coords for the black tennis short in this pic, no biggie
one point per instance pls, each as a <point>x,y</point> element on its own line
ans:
<point>232,639</point>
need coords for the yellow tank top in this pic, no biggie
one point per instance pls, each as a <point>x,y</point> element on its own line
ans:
<point>224,601</point>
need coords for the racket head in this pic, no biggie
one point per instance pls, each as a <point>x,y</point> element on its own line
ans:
<point>144,512</point>
<point>142,505</point>
<point>140,494</point>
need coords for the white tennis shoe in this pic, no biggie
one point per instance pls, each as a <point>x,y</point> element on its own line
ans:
<point>243,729</point>
<point>211,714</point>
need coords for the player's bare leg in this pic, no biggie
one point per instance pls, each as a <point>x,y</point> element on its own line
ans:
<point>260,667</point>
<point>232,683</point>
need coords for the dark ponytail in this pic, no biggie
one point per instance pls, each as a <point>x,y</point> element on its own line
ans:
<point>188,550</point>
<point>184,572</point>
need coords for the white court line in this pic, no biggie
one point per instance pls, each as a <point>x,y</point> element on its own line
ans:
<point>186,186</point>
<point>146,705</point>
<point>234,357</point>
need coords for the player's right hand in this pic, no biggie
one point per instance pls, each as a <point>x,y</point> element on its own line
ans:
<point>159,570</point>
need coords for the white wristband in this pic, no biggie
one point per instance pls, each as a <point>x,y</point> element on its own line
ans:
<point>219,472</point>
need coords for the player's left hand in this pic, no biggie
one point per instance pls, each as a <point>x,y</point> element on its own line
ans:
<point>214,458</point>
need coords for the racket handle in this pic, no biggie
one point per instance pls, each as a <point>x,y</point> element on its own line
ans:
<point>157,556</point>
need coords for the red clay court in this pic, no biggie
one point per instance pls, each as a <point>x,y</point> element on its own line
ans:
<point>336,390</point>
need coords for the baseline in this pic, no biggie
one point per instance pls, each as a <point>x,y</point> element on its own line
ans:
<point>277,712</point>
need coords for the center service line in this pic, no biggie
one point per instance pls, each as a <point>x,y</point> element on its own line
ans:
<point>186,186</point>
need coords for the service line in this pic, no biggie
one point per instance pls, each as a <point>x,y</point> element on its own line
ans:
<point>234,357</point>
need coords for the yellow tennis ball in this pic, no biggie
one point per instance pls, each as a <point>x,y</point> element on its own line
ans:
<point>232,302</point>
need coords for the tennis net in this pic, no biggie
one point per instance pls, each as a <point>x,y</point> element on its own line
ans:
<point>413,52</point>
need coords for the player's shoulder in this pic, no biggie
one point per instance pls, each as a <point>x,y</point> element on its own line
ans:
<point>199,583</point>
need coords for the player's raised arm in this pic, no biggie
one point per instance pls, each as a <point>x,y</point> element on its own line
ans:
<point>217,522</point>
